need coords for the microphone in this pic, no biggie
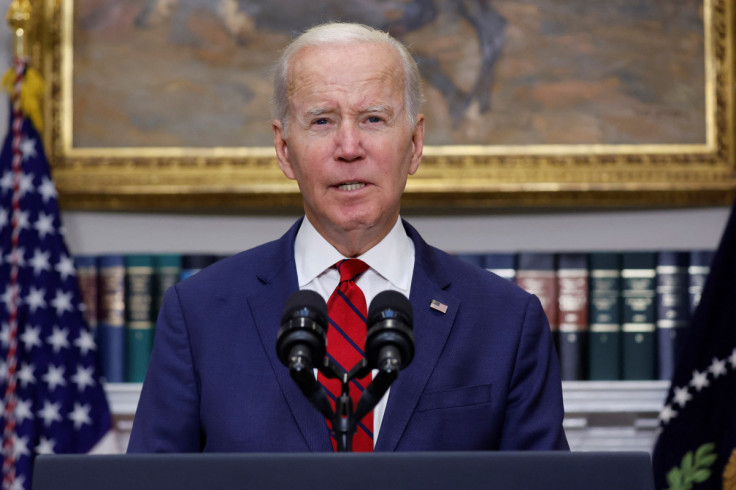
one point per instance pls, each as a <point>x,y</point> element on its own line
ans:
<point>389,343</point>
<point>302,337</point>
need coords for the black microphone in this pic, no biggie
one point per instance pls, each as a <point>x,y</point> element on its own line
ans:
<point>302,337</point>
<point>389,343</point>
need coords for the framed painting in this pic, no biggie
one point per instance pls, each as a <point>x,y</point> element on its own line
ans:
<point>164,104</point>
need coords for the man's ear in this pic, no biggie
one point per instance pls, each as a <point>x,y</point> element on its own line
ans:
<point>282,149</point>
<point>417,139</point>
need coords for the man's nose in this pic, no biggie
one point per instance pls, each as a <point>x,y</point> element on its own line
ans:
<point>348,142</point>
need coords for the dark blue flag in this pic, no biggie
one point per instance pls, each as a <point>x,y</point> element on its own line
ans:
<point>696,447</point>
<point>53,401</point>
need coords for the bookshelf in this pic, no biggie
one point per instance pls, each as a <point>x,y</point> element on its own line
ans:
<point>599,415</point>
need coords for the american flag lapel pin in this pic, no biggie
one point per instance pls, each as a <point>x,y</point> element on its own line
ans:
<point>436,305</point>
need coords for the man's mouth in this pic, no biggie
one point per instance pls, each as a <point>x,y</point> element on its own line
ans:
<point>351,186</point>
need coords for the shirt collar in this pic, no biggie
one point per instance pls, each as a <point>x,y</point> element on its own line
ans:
<point>313,255</point>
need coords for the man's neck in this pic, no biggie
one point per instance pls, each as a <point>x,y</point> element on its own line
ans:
<point>354,243</point>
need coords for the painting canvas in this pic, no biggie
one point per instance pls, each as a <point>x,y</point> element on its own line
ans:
<point>166,103</point>
<point>497,72</point>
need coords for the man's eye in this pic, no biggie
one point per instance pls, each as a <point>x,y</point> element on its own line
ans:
<point>320,122</point>
<point>374,119</point>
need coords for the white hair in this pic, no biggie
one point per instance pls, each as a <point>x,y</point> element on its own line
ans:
<point>337,33</point>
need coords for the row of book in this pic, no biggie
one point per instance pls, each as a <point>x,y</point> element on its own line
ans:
<point>613,315</point>
<point>122,294</point>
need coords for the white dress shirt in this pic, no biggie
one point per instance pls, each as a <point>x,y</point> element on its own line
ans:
<point>391,265</point>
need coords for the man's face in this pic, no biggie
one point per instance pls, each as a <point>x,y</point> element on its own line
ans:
<point>350,146</point>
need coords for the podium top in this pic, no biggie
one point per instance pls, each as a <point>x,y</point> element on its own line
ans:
<point>502,470</point>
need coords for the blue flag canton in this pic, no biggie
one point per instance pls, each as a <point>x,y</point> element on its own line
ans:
<point>61,404</point>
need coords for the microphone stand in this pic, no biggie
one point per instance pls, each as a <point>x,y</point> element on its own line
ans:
<point>344,419</point>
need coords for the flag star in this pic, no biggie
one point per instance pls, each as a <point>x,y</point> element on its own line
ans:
<point>54,377</point>
<point>700,380</point>
<point>5,335</point>
<point>25,375</point>
<point>85,342</point>
<point>58,339</point>
<point>23,220</point>
<point>23,411</point>
<point>44,224</point>
<point>28,148</point>
<point>3,370</point>
<point>6,182</point>
<point>50,413</point>
<point>17,256</point>
<point>732,358</point>
<point>83,378</point>
<point>36,299</point>
<point>682,396</point>
<point>717,367</point>
<point>65,266</point>
<point>3,218</point>
<point>45,446</point>
<point>47,189</point>
<point>19,483</point>
<point>26,184</point>
<point>20,447</point>
<point>80,415</point>
<point>667,414</point>
<point>62,302</point>
<point>40,261</point>
<point>31,337</point>
<point>7,296</point>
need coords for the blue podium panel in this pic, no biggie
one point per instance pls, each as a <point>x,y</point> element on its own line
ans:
<point>319,471</point>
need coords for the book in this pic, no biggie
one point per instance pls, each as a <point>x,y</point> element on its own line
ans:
<point>639,347</point>
<point>536,273</point>
<point>111,316</point>
<point>139,315</point>
<point>572,310</point>
<point>604,307</point>
<point>193,263</point>
<point>167,271</point>
<point>673,308</point>
<point>698,271</point>
<point>502,264</point>
<point>86,266</point>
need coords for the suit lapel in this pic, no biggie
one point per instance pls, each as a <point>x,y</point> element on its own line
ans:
<point>431,329</point>
<point>279,281</point>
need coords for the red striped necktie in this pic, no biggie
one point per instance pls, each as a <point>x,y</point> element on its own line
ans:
<point>345,343</point>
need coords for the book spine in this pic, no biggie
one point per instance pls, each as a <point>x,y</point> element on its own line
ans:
<point>639,319</point>
<point>167,273</point>
<point>536,274</point>
<point>604,337</point>
<point>111,316</point>
<point>87,276</point>
<point>572,307</point>
<point>697,274</point>
<point>673,308</point>
<point>139,316</point>
<point>502,264</point>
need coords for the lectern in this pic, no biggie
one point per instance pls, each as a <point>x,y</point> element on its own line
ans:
<point>356,471</point>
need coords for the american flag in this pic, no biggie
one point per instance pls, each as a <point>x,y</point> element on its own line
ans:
<point>53,401</point>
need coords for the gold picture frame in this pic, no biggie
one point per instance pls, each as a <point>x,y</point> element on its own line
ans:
<point>452,176</point>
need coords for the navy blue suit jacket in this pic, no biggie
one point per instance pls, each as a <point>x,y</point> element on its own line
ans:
<point>485,374</point>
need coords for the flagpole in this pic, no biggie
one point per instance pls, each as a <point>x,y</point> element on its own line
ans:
<point>18,17</point>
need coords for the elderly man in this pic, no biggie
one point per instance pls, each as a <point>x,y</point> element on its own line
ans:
<point>485,375</point>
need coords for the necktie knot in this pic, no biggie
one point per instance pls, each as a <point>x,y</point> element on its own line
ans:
<point>350,269</point>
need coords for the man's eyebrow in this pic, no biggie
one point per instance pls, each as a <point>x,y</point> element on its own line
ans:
<point>378,108</point>
<point>317,111</point>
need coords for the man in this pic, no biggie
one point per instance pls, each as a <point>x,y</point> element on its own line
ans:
<point>347,128</point>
